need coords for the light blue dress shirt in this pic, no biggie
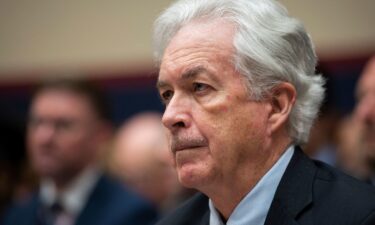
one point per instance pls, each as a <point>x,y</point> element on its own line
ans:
<point>254,206</point>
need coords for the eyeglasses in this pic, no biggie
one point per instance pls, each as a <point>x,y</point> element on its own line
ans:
<point>58,125</point>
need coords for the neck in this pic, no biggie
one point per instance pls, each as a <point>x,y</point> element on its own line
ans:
<point>227,195</point>
<point>63,181</point>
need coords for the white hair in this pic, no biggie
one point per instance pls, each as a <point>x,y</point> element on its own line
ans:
<point>270,47</point>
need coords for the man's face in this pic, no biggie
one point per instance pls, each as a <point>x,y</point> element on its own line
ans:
<point>215,131</point>
<point>365,109</point>
<point>141,157</point>
<point>61,134</point>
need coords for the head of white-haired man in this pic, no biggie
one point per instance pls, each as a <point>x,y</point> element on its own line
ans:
<point>240,91</point>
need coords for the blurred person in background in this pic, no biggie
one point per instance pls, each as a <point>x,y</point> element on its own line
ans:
<point>365,113</point>
<point>321,145</point>
<point>141,158</point>
<point>238,81</point>
<point>68,128</point>
<point>348,148</point>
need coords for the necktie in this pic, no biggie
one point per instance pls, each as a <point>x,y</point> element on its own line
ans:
<point>48,214</point>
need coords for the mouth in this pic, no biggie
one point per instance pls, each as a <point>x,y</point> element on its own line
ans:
<point>182,148</point>
<point>180,144</point>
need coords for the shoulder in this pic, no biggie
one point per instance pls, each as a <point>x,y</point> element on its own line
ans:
<point>328,182</point>
<point>314,191</point>
<point>342,193</point>
<point>121,203</point>
<point>193,211</point>
<point>337,198</point>
<point>111,188</point>
<point>20,211</point>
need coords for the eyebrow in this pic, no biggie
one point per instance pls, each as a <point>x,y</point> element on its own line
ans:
<point>189,74</point>
<point>192,72</point>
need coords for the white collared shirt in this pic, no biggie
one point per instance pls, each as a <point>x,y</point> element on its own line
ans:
<point>75,196</point>
<point>254,207</point>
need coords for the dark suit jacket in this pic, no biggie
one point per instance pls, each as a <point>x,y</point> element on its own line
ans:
<point>109,204</point>
<point>309,193</point>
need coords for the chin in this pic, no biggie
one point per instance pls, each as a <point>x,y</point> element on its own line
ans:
<point>192,176</point>
<point>46,170</point>
<point>44,173</point>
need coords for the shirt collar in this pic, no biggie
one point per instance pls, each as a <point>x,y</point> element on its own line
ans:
<point>254,207</point>
<point>75,196</point>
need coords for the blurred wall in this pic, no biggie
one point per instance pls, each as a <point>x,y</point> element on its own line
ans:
<point>338,27</point>
<point>43,35</point>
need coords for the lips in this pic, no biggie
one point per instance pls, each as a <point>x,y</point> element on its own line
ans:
<point>183,143</point>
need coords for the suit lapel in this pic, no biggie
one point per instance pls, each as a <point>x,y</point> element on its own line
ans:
<point>206,218</point>
<point>278,215</point>
<point>294,193</point>
<point>93,205</point>
<point>32,214</point>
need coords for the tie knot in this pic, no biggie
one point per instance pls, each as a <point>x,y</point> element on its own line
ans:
<point>48,214</point>
<point>56,207</point>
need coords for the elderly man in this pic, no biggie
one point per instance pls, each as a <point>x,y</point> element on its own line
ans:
<point>239,85</point>
<point>365,113</point>
<point>67,130</point>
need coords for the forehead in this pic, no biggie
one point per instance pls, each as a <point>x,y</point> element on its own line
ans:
<point>199,42</point>
<point>60,102</point>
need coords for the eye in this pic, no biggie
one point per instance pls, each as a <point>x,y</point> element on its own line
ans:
<point>34,122</point>
<point>199,87</point>
<point>64,124</point>
<point>166,96</point>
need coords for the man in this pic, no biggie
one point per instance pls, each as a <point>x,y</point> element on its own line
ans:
<point>365,114</point>
<point>141,158</point>
<point>239,85</point>
<point>67,130</point>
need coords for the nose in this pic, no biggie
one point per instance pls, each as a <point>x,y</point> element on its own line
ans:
<point>177,115</point>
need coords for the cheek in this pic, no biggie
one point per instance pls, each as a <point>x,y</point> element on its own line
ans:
<point>222,109</point>
<point>233,124</point>
<point>34,146</point>
<point>73,144</point>
<point>216,115</point>
<point>30,142</point>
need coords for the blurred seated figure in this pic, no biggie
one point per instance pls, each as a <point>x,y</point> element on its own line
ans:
<point>68,128</point>
<point>349,156</point>
<point>141,158</point>
<point>365,113</point>
<point>321,144</point>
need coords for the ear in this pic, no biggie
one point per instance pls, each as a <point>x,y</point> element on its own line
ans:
<point>283,97</point>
